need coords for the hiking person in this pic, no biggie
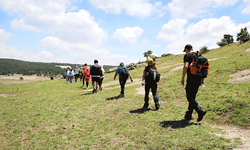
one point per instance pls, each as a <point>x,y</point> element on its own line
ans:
<point>76,73</point>
<point>67,74</point>
<point>192,86</point>
<point>80,74</point>
<point>86,76</point>
<point>101,78</point>
<point>123,76</point>
<point>95,71</point>
<point>83,69</point>
<point>71,75</point>
<point>150,78</point>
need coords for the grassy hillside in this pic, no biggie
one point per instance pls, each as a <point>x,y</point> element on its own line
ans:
<point>13,66</point>
<point>57,115</point>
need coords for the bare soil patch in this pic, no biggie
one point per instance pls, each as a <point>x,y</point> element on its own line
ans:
<point>232,133</point>
<point>14,79</point>
<point>240,77</point>
<point>247,50</point>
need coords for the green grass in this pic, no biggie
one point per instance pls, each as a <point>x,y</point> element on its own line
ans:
<point>55,115</point>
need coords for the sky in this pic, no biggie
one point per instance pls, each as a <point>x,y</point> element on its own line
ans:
<point>114,31</point>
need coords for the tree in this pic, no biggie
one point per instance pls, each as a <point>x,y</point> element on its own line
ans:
<point>229,38</point>
<point>147,54</point>
<point>165,55</point>
<point>203,49</point>
<point>243,36</point>
<point>223,42</point>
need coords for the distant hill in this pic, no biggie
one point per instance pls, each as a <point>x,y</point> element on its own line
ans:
<point>13,66</point>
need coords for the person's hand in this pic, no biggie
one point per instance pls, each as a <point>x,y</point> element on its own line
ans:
<point>131,80</point>
<point>142,83</point>
<point>182,82</point>
<point>114,78</point>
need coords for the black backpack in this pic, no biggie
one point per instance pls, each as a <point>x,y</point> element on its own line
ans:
<point>152,75</point>
<point>124,73</point>
<point>199,65</point>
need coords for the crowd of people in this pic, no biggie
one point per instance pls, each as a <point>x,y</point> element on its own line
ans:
<point>150,79</point>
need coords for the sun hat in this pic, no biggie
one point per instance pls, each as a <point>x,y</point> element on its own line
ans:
<point>121,63</point>
<point>188,46</point>
<point>149,60</point>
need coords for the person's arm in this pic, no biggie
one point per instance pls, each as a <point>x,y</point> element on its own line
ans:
<point>184,71</point>
<point>130,77</point>
<point>143,77</point>
<point>115,75</point>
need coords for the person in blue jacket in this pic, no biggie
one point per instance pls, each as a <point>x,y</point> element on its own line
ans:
<point>122,79</point>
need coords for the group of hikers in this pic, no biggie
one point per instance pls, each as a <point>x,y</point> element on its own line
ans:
<point>150,79</point>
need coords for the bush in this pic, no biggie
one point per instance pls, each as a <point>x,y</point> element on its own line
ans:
<point>203,50</point>
<point>222,43</point>
<point>165,55</point>
<point>21,78</point>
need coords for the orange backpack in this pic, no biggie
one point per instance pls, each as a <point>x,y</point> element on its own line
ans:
<point>199,65</point>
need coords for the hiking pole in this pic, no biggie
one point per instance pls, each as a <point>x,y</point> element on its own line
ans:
<point>159,97</point>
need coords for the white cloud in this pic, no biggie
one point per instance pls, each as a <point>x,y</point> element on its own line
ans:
<point>49,16</point>
<point>4,35</point>
<point>172,30</point>
<point>81,53</point>
<point>206,32</point>
<point>246,11</point>
<point>139,8</point>
<point>195,8</point>
<point>128,35</point>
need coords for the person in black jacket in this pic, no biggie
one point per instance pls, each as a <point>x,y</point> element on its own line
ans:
<point>149,80</point>
<point>96,73</point>
<point>192,86</point>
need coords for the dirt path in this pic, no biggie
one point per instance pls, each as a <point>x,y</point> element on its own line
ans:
<point>232,133</point>
<point>240,77</point>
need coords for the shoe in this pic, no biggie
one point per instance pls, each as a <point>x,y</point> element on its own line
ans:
<point>94,90</point>
<point>122,95</point>
<point>201,114</point>
<point>188,116</point>
<point>82,85</point>
<point>157,106</point>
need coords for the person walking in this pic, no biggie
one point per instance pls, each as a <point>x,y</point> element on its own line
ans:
<point>71,75</point>
<point>80,74</point>
<point>67,74</point>
<point>95,71</point>
<point>192,86</point>
<point>83,69</point>
<point>86,76</point>
<point>101,78</point>
<point>150,80</point>
<point>76,73</point>
<point>123,76</point>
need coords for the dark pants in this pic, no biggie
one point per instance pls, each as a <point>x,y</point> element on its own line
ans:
<point>100,82</point>
<point>122,83</point>
<point>153,87</point>
<point>191,91</point>
<point>83,80</point>
<point>76,77</point>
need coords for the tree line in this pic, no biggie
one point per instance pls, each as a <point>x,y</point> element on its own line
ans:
<point>13,66</point>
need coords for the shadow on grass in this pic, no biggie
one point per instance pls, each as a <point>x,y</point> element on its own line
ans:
<point>114,97</point>
<point>139,111</point>
<point>87,93</point>
<point>177,124</point>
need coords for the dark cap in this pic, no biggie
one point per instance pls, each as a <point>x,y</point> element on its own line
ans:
<point>188,46</point>
<point>121,63</point>
<point>95,61</point>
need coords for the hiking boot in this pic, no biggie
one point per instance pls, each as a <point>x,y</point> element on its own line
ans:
<point>94,90</point>
<point>188,115</point>
<point>201,113</point>
<point>157,106</point>
<point>122,96</point>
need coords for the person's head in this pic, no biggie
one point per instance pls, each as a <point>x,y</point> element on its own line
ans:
<point>188,48</point>
<point>76,66</point>
<point>121,64</point>
<point>86,64</point>
<point>151,62</point>
<point>95,61</point>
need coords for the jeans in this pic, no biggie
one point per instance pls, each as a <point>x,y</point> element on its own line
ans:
<point>122,84</point>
